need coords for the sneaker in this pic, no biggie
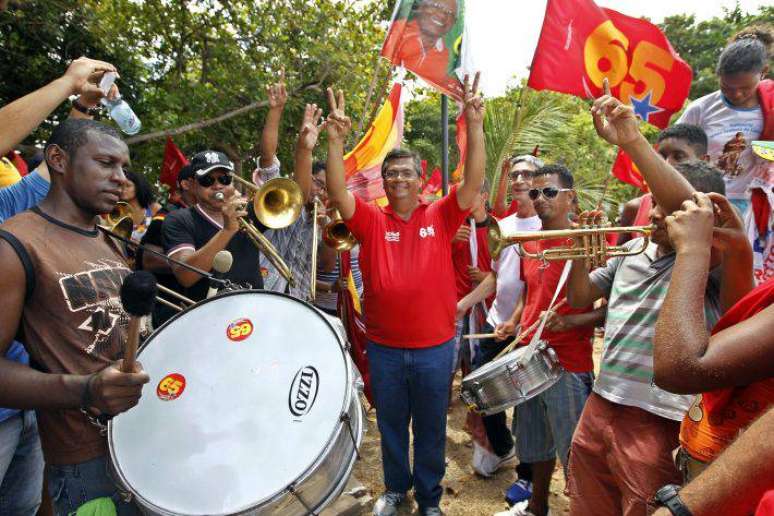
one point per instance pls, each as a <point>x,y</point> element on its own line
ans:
<point>487,464</point>
<point>387,504</point>
<point>431,511</point>
<point>520,491</point>
<point>520,509</point>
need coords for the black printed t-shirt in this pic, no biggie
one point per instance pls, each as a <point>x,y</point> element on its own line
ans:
<point>191,228</point>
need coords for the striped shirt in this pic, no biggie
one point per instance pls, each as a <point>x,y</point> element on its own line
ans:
<point>329,300</point>
<point>636,287</point>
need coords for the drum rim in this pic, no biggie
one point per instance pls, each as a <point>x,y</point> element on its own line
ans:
<point>349,394</point>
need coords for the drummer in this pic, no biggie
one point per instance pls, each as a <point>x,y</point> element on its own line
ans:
<point>60,283</point>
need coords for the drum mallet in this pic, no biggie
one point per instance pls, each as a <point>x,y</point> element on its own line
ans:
<point>138,295</point>
<point>221,264</point>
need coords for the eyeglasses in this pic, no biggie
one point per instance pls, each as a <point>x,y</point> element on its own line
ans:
<point>514,176</point>
<point>322,185</point>
<point>404,175</point>
<point>548,192</point>
<point>208,181</point>
<point>438,7</point>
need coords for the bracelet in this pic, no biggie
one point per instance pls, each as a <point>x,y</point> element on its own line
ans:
<point>94,111</point>
<point>86,398</point>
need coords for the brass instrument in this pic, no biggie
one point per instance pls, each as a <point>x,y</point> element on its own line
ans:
<point>590,243</point>
<point>277,204</point>
<point>337,235</point>
<point>119,220</point>
<point>315,238</point>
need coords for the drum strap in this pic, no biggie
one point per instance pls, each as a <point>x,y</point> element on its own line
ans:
<point>536,338</point>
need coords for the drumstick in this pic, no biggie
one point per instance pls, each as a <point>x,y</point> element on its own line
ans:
<point>138,295</point>
<point>479,336</point>
<point>526,332</point>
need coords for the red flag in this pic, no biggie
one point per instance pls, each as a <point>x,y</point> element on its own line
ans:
<point>18,162</point>
<point>174,160</point>
<point>354,326</point>
<point>462,145</point>
<point>625,170</point>
<point>581,44</point>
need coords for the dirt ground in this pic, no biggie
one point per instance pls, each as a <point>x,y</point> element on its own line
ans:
<point>465,493</point>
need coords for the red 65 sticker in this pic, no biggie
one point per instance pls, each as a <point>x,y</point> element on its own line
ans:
<point>171,387</point>
<point>239,330</point>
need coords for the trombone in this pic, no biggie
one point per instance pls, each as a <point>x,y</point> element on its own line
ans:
<point>277,204</point>
<point>337,235</point>
<point>589,243</point>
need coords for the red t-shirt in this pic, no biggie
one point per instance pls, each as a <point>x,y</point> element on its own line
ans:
<point>409,294</point>
<point>572,347</point>
<point>461,260</point>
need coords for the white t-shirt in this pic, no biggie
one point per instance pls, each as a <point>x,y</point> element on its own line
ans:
<point>508,270</point>
<point>730,132</point>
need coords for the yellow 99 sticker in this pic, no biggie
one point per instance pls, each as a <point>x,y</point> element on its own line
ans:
<point>171,387</point>
<point>239,329</point>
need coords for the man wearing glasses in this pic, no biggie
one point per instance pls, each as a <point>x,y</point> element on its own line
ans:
<point>545,423</point>
<point>194,235</point>
<point>513,168</point>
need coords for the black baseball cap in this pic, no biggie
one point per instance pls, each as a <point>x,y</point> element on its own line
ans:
<point>206,161</point>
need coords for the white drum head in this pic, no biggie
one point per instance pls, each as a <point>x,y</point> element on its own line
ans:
<point>246,392</point>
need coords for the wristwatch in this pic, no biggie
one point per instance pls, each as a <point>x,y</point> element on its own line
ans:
<point>93,111</point>
<point>668,496</point>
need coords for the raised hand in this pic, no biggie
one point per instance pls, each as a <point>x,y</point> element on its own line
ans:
<point>614,121</point>
<point>338,123</point>
<point>473,104</point>
<point>310,127</point>
<point>84,75</point>
<point>277,94</point>
<point>690,228</point>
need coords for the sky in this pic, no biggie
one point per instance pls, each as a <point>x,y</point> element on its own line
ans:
<point>504,33</point>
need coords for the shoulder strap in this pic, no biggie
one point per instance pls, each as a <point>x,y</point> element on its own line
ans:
<point>24,256</point>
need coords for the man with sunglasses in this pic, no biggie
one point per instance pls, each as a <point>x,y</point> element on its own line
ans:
<point>194,235</point>
<point>545,423</point>
<point>513,168</point>
<point>409,301</point>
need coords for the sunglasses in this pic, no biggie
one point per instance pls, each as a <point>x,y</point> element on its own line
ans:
<point>208,181</point>
<point>548,192</point>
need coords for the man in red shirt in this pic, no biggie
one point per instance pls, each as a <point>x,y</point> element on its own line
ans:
<point>409,301</point>
<point>545,423</point>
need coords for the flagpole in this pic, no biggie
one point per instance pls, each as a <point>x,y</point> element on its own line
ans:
<point>444,144</point>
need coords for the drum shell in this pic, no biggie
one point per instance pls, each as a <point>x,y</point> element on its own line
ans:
<point>510,380</point>
<point>320,483</point>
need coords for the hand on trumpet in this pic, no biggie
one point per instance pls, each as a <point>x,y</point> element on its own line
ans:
<point>233,209</point>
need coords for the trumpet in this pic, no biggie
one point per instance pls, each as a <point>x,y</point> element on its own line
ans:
<point>277,204</point>
<point>590,243</point>
<point>119,220</point>
<point>337,235</point>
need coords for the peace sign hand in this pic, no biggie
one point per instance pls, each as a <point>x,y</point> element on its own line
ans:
<point>614,121</point>
<point>310,129</point>
<point>473,104</point>
<point>338,123</point>
<point>277,93</point>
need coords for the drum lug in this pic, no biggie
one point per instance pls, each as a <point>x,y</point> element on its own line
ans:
<point>344,418</point>
<point>513,370</point>
<point>292,490</point>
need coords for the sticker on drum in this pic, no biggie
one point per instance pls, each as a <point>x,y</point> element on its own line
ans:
<point>171,387</point>
<point>239,330</point>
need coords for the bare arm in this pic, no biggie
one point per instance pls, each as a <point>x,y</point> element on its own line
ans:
<point>338,126</point>
<point>201,258</point>
<point>475,161</point>
<point>721,489</point>
<point>277,96</point>
<point>616,123</point>
<point>482,291</point>
<point>499,207</point>
<point>21,117</point>
<point>686,359</point>
<point>307,139</point>
<point>581,292</point>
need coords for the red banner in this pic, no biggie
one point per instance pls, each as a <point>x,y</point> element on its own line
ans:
<point>174,160</point>
<point>625,170</point>
<point>581,44</point>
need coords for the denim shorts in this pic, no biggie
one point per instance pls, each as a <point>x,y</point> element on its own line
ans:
<point>545,424</point>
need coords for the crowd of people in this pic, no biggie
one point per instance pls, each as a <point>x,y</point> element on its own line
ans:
<point>687,361</point>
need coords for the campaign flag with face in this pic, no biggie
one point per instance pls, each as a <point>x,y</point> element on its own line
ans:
<point>581,44</point>
<point>426,37</point>
<point>363,164</point>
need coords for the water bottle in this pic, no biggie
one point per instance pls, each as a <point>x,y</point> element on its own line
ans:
<point>117,107</point>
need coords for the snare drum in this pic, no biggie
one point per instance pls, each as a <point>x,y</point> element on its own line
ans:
<point>252,408</point>
<point>511,379</point>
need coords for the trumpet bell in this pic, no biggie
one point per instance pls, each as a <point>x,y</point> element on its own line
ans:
<point>278,203</point>
<point>119,220</point>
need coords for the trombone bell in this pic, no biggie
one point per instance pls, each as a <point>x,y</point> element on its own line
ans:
<point>278,203</point>
<point>337,235</point>
<point>119,220</point>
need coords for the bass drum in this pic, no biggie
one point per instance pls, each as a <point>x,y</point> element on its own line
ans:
<point>252,408</point>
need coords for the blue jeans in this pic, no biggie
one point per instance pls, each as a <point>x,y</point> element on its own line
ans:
<point>73,485</point>
<point>412,386</point>
<point>21,465</point>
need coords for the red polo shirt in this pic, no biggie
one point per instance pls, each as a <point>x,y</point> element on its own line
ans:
<point>409,294</point>
<point>572,347</point>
